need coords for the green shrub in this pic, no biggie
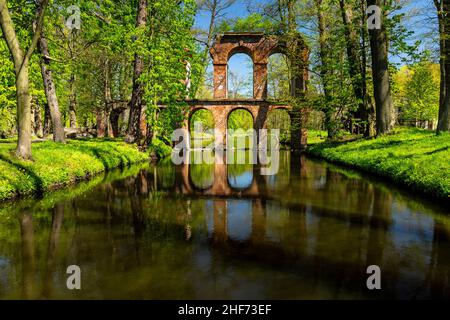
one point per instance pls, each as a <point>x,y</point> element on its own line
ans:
<point>160,149</point>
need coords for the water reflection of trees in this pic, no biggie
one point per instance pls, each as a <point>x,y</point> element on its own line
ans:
<point>202,175</point>
<point>312,230</point>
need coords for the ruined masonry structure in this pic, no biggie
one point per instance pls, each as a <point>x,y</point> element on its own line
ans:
<point>259,47</point>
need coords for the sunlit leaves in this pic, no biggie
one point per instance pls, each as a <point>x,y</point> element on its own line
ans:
<point>168,48</point>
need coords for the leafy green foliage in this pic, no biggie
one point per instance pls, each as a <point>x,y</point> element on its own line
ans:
<point>280,119</point>
<point>240,119</point>
<point>169,50</point>
<point>23,20</point>
<point>278,77</point>
<point>418,92</point>
<point>254,22</point>
<point>159,149</point>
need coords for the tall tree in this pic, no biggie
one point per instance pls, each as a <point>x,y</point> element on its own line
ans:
<point>136,105</point>
<point>49,86</point>
<point>325,69</point>
<point>443,12</point>
<point>380,72</point>
<point>355,66</point>
<point>21,60</point>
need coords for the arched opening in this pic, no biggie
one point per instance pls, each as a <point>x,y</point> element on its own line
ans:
<point>240,129</point>
<point>201,128</point>
<point>240,119</point>
<point>278,77</point>
<point>281,120</point>
<point>240,76</point>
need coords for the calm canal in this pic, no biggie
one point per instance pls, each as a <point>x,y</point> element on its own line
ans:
<point>226,232</point>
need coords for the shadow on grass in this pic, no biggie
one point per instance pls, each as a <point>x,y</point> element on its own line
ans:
<point>105,154</point>
<point>37,181</point>
<point>373,146</point>
<point>429,153</point>
<point>436,151</point>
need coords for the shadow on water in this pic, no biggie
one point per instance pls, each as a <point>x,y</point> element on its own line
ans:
<point>226,231</point>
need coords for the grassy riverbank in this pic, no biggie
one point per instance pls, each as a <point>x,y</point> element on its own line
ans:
<point>414,158</point>
<point>56,165</point>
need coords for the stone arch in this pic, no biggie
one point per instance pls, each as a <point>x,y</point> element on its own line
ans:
<point>259,46</point>
<point>275,108</point>
<point>241,50</point>
<point>231,138</point>
<point>251,111</point>
<point>194,111</point>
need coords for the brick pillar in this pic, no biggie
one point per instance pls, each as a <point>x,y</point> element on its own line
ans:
<point>260,81</point>
<point>220,125</point>
<point>220,221</point>
<point>258,221</point>
<point>299,133</point>
<point>220,81</point>
<point>185,128</point>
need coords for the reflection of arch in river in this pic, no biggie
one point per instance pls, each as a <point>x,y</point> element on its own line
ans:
<point>219,180</point>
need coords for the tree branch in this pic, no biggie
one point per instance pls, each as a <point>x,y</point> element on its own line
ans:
<point>10,35</point>
<point>37,32</point>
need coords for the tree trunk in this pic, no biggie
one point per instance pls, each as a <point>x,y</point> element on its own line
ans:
<point>368,103</point>
<point>108,99</point>
<point>72,102</point>
<point>134,133</point>
<point>102,123</point>
<point>325,70</point>
<point>443,8</point>
<point>23,114</point>
<point>38,127</point>
<point>380,74</point>
<point>21,62</point>
<point>50,92</point>
<point>114,120</point>
<point>47,120</point>
<point>355,67</point>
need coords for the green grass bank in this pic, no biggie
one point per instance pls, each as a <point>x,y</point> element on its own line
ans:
<point>57,165</point>
<point>415,158</point>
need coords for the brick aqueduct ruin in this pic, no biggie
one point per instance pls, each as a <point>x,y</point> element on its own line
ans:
<point>259,47</point>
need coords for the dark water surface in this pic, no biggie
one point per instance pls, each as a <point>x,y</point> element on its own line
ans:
<point>227,232</point>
